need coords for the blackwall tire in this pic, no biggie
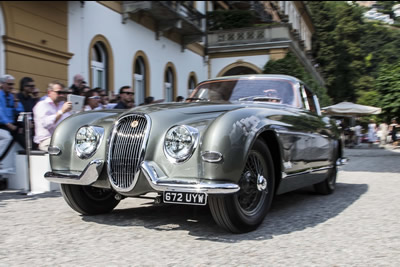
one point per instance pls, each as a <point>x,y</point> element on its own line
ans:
<point>245,210</point>
<point>89,200</point>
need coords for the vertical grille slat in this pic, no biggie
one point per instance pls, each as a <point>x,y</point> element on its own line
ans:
<point>126,150</point>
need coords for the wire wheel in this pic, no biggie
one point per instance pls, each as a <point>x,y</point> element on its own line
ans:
<point>253,185</point>
<point>245,211</point>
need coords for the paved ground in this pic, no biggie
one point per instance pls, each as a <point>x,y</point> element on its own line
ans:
<point>359,225</point>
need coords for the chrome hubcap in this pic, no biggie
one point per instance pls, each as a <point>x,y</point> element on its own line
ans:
<point>262,183</point>
<point>253,185</point>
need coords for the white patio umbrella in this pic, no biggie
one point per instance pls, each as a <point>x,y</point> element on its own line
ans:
<point>351,109</point>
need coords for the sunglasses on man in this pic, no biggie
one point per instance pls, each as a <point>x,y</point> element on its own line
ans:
<point>128,93</point>
<point>61,92</point>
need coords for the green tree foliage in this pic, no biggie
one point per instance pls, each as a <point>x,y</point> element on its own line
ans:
<point>359,59</point>
<point>229,19</point>
<point>339,28</point>
<point>388,87</point>
<point>289,65</point>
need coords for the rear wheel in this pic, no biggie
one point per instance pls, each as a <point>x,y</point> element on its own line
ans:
<point>245,210</point>
<point>89,200</point>
<point>328,185</point>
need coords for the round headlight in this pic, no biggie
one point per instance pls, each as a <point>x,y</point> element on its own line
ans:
<point>87,140</point>
<point>180,143</point>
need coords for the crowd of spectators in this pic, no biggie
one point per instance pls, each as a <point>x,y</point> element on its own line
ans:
<point>50,109</point>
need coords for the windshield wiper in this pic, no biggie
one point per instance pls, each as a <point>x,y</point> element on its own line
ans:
<point>248,97</point>
<point>197,98</point>
<point>261,98</point>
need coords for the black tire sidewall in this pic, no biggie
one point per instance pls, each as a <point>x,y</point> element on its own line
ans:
<point>78,199</point>
<point>242,221</point>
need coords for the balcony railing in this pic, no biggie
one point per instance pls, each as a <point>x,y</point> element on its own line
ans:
<point>249,36</point>
<point>176,15</point>
<point>262,38</point>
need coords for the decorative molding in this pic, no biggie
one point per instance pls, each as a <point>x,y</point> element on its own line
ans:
<point>26,45</point>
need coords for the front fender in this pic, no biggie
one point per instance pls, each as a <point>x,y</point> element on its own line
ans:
<point>233,135</point>
<point>64,138</point>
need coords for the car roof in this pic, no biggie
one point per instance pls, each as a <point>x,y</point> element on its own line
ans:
<point>260,76</point>
<point>257,76</point>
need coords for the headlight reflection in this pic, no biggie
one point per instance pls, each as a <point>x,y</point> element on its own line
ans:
<point>180,143</point>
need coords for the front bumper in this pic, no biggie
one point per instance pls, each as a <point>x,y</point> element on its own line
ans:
<point>89,175</point>
<point>155,177</point>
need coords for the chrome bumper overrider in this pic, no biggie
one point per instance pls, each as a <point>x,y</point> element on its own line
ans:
<point>154,175</point>
<point>159,182</point>
<point>89,175</point>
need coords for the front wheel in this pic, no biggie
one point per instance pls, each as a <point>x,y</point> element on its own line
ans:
<point>89,200</point>
<point>245,210</point>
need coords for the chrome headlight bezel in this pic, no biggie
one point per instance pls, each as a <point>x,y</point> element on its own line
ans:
<point>190,147</point>
<point>94,137</point>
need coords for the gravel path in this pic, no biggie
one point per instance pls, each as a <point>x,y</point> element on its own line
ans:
<point>356,226</point>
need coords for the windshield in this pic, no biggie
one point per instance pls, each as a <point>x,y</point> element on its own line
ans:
<point>273,90</point>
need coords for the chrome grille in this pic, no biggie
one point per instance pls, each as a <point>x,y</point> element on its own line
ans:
<point>126,151</point>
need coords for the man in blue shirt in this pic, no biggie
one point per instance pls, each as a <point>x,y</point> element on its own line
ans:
<point>9,108</point>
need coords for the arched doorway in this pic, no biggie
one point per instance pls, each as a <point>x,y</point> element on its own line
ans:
<point>239,68</point>
<point>239,71</point>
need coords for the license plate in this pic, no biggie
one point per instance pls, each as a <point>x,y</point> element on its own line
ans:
<point>190,198</point>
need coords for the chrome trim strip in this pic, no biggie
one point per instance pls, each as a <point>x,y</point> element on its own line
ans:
<point>285,175</point>
<point>87,177</point>
<point>160,182</point>
<point>339,162</point>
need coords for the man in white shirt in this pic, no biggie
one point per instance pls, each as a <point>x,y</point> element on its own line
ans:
<point>49,112</point>
<point>357,134</point>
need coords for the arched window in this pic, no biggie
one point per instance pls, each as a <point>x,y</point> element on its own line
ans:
<point>99,65</point>
<point>169,85</point>
<point>192,83</point>
<point>140,80</point>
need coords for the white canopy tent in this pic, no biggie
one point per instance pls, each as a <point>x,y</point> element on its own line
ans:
<point>351,109</point>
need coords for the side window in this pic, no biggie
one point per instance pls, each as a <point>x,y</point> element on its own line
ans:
<point>308,99</point>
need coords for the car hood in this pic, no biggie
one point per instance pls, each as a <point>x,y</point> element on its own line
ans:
<point>187,108</point>
<point>199,114</point>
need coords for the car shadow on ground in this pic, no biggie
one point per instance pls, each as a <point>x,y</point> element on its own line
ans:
<point>289,213</point>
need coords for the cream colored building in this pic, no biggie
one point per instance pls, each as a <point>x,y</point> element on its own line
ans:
<point>160,48</point>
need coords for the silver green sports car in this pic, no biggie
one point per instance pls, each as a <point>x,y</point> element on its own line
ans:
<point>232,145</point>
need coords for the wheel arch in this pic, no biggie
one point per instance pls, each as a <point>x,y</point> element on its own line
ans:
<point>271,140</point>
